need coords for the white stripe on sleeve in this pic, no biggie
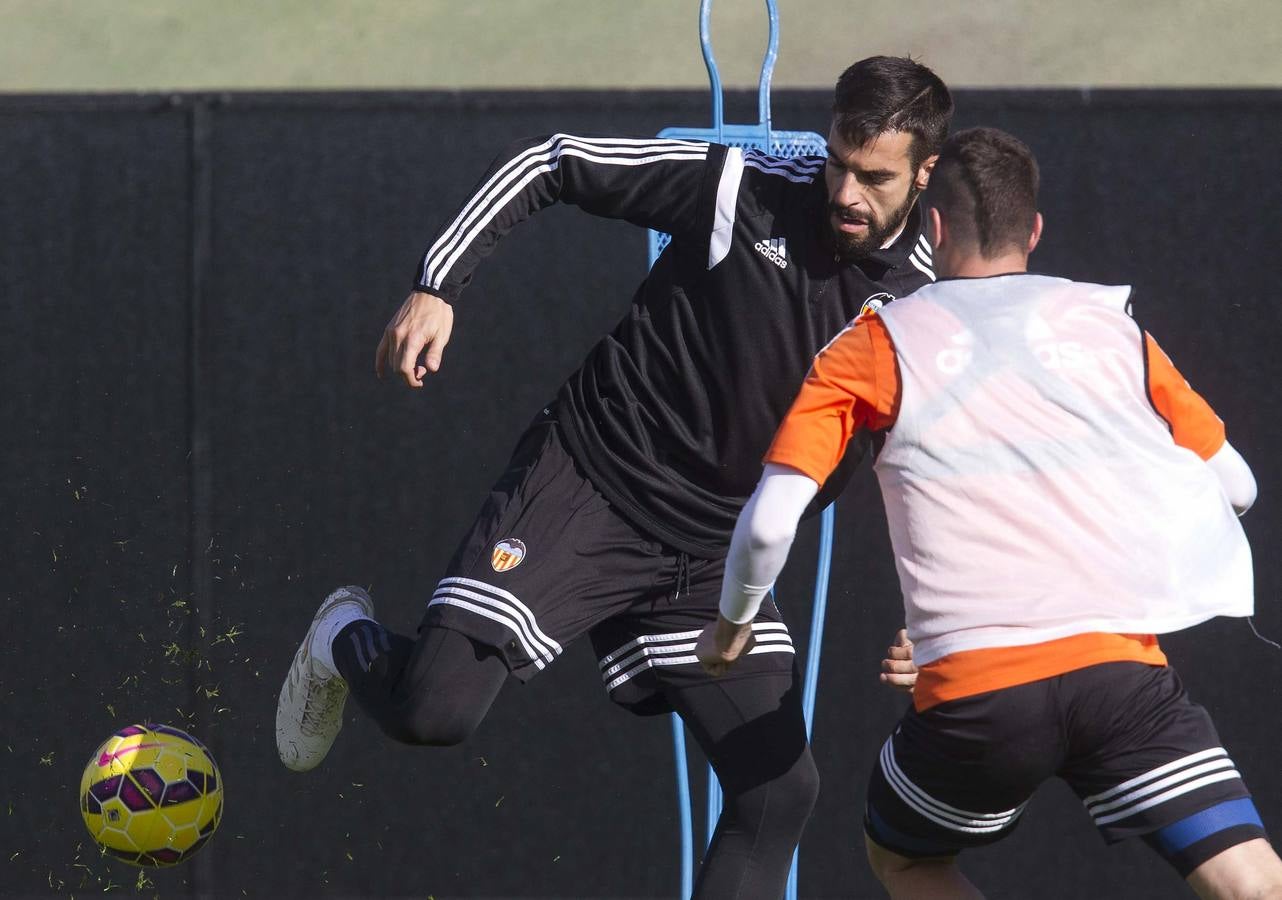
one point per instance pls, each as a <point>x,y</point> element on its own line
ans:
<point>518,172</point>
<point>727,201</point>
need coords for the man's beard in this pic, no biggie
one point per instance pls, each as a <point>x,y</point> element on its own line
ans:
<point>850,247</point>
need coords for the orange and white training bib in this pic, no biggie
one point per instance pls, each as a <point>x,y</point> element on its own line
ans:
<point>1031,489</point>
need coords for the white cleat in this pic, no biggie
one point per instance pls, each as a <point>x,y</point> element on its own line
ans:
<point>309,713</point>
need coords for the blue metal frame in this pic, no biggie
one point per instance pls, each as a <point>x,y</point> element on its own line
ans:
<point>782,143</point>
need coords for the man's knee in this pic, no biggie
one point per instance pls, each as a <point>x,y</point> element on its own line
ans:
<point>884,863</point>
<point>445,694</point>
<point>802,784</point>
<point>784,803</point>
<point>1247,871</point>
<point>889,866</point>
<point>425,723</point>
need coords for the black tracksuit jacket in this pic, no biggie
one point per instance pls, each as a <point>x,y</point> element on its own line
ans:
<point>671,412</point>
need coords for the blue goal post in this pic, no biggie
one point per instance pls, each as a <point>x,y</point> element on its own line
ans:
<point>759,136</point>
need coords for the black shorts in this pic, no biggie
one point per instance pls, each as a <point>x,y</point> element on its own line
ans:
<point>1143,758</point>
<point>548,559</point>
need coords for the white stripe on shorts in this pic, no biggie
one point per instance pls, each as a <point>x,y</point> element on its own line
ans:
<point>1163,783</point>
<point>675,649</point>
<point>499,606</point>
<point>937,811</point>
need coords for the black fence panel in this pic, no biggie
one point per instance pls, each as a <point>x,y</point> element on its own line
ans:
<point>192,289</point>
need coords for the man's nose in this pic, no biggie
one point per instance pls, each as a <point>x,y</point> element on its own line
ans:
<point>847,193</point>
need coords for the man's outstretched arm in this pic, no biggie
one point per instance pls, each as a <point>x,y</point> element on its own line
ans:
<point>852,385</point>
<point>759,548</point>
<point>671,186</point>
<point>1235,477</point>
<point>1195,426</point>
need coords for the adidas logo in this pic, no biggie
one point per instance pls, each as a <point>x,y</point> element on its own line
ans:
<point>773,250</point>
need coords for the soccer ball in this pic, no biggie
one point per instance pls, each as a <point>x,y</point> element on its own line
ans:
<point>151,795</point>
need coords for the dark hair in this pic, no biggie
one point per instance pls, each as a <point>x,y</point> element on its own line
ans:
<point>892,93</point>
<point>985,184</point>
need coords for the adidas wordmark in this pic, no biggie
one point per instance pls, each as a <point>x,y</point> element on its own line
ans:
<point>773,250</point>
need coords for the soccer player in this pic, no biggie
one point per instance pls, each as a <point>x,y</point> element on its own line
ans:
<point>1057,495</point>
<point>614,515</point>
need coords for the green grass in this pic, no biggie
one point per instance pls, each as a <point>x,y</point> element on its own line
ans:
<point>114,45</point>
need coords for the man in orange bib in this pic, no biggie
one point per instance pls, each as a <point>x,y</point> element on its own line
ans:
<point>1057,495</point>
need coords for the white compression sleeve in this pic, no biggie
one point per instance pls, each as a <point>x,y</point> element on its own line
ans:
<point>1235,477</point>
<point>762,537</point>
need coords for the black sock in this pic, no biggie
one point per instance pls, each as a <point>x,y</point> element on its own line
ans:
<point>357,646</point>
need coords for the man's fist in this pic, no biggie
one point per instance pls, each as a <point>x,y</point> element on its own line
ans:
<point>421,327</point>
<point>722,643</point>
<point>897,670</point>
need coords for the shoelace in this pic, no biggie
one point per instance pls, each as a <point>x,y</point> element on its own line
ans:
<point>319,708</point>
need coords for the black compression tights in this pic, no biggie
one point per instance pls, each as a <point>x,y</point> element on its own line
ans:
<point>753,733</point>
<point>436,690</point>
<point>433,692</point>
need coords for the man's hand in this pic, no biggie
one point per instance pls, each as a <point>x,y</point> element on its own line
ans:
<point>722,643</point>
<point>897,670</point>
<point>421,327</point>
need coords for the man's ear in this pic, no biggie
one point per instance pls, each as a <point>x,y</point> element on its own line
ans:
<point>936,228</point>
<point>1036,236</point>
<point>923,172</point>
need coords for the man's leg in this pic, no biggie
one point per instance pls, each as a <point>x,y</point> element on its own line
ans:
<point>1160,772</point>
<point>1248,871</point>
<point>436,689</point>
<point>909,878</point>
<point>433,691</point>
<point>753,733</point>
<point>954,776</point>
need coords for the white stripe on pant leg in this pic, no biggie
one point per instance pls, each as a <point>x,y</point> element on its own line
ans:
<point>1156,773</point>
<point>669,655</point>
<point>648,639</point>
<point>1169,795</point>
<point>888,754</point>
<point>644,652</point>
<point>768,639</point>
<point>648,656</point>
<point>653,661</point>
<point>954,819</point>
<point>765,632</point>
<point>495,617</point>
<point>512,599</point>
<point>649,663</point>
<point>1187,774</point>
<point>519,624</point>
<point>771,648</point>
<point>759,628</point>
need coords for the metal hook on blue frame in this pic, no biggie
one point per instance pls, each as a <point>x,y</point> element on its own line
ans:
<point>714,74</point>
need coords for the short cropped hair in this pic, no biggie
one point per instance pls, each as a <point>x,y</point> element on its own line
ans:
<point>893,93</point>
<point>985,185</point>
